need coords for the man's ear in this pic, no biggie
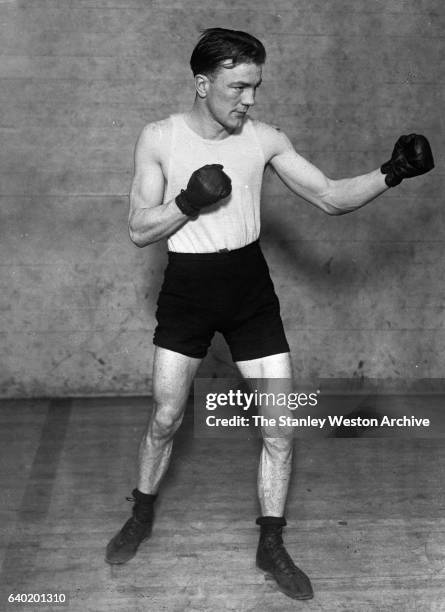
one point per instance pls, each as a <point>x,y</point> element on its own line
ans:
<point>201,85</point>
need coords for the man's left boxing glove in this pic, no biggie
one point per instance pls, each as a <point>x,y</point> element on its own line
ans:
<point>411,156</point>
<point>206,186</point>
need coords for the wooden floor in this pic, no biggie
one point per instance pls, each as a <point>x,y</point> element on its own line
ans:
<point>366,517</point>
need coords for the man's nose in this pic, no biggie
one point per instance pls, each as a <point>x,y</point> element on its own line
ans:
<point>248,97</point>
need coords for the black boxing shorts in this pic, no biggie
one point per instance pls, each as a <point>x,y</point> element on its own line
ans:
<point>230,292</point>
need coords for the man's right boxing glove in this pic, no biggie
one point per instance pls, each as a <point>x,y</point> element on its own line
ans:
<point>411,156</point>
<point>206,186</point>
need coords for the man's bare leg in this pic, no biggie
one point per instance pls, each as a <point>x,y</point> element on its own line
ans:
<point>276,456</point>
<point>172,377</point>
<point>273,483</point>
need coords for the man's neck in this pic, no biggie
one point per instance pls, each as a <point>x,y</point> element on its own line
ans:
<point>201,122</point>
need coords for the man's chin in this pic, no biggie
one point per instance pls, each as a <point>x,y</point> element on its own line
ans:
<point>236,121</point>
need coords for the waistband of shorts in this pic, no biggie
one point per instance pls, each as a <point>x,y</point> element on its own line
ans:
<point>223,255</point>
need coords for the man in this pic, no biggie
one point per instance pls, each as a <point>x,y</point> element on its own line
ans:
<point>197,183</point>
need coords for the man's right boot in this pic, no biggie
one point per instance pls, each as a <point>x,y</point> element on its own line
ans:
<point>125,543</point>
<point>273,559</point>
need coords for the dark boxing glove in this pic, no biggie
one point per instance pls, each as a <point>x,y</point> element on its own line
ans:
<point>206,186</point>
<point>412,156</point>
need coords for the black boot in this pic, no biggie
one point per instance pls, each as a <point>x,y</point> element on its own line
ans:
<point>125,543</point>
<point>272,558</point>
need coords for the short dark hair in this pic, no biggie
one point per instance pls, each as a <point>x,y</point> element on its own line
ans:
<point>217,45</point>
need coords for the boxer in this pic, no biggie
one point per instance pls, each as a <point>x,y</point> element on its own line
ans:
<point>197,184</point>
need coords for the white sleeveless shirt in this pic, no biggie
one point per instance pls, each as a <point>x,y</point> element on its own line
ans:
<point>233,222</point>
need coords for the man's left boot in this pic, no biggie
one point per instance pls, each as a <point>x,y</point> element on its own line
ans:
<point>273,558</point>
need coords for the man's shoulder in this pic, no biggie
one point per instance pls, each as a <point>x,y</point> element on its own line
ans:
<point>155,136</point>
<point>267,129</point>
<point>157,130</point>
<point>271,136</point>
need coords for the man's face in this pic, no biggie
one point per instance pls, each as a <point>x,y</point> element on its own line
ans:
<point>231,93</point>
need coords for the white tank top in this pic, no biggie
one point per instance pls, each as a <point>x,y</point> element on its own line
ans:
<point>235,222</point>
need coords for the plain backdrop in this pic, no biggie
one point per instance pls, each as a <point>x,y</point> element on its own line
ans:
<point>362,295</point>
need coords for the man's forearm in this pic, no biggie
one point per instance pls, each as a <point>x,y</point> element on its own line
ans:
<point>346,195</point>
<point>148,225</point>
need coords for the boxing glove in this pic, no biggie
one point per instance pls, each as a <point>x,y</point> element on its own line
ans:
<point>411,156</point>
<point>206,186</point>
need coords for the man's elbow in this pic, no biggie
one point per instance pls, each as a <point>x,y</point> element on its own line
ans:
<point>137,238</point>
<point>328,207</point>
<point>328,201</point>
<point>324,199</point>
<point>331,210</point>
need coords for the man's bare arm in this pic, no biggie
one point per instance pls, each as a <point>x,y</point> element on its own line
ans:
<point>149,219</point>
<point>335,197</point>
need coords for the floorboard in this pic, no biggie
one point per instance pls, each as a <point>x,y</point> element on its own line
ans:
<point>366,515</point>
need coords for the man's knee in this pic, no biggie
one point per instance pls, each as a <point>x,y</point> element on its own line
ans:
<point>165,421</point>
<point>281,445</point>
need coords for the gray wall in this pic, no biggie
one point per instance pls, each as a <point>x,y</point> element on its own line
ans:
<point>362,295</point>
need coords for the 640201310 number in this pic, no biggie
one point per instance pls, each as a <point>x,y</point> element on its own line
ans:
<point>54,598</point>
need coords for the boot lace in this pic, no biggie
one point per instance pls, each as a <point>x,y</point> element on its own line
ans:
<point>280,556</point>
<point>131,529</point>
